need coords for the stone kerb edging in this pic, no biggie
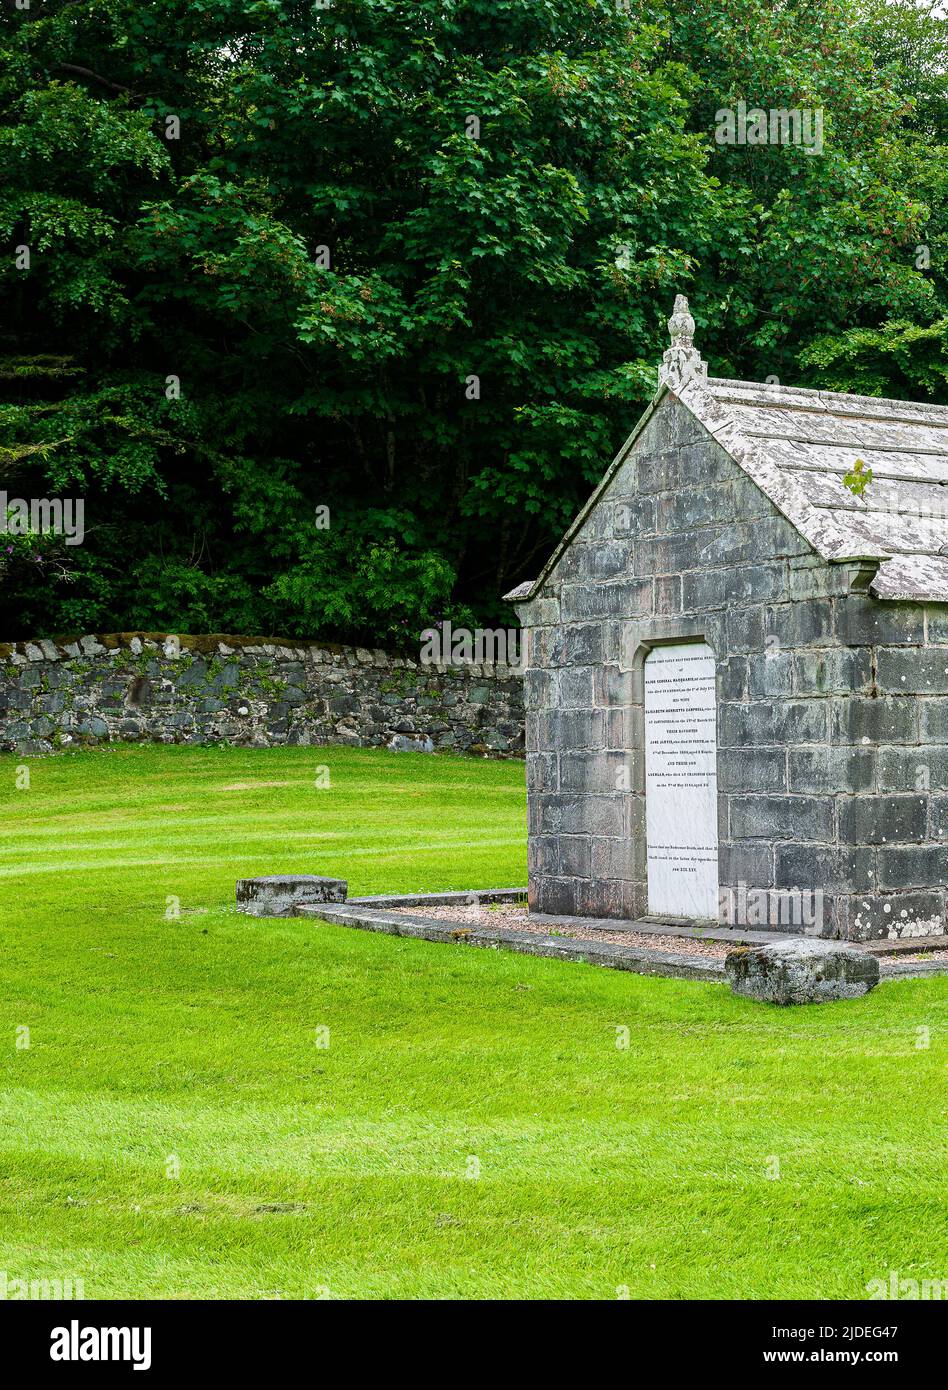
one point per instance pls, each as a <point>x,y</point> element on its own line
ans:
<point>324,899</point>
<point>639,959</point>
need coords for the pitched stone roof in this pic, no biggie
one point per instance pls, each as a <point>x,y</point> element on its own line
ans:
<point>797,445</point>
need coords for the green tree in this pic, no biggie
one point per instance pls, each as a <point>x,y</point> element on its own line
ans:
<point>410,261</point>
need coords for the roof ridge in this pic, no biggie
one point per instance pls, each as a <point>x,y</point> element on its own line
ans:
<point>881,405</point>
<point>735,415</point>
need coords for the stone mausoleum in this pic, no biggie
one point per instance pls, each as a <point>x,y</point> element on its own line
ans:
<point>737,666</point>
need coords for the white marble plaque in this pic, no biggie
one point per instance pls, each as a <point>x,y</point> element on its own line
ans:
<point>681,785</point>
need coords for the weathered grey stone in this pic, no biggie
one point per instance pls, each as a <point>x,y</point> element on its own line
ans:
<point>583,644</point>
<point>745,629</point>
<point>912,670</point>
<point>724,520</point>
<point>775,818</point>
<point>801,971</point>
<point>800,624</point>
<point>781,722</point>
<point>575,688</point>
<point>897,915</point>
<point>879,820</point>
<point>933,721</point>
<point>863,621</point>
<point>755,584</point>
<point>619,599</point>
<point>407,743</point>
<point>280,894</point>
<point>769,675</point>
<point>760,770</point>
<point>890,720</point>
<point>256,700</point>
<point>832,868</point>
<point>842,670</point>
<point>912,866</point>
<point>703,590</point>
<point>913,769</point>
<point>95,727</point>
<point>822,769</point>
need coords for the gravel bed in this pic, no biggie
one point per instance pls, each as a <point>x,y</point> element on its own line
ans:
<point>511,917</point>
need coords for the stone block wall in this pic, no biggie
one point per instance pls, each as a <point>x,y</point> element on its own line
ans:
<point>251,691</point>
<point>832,706</point>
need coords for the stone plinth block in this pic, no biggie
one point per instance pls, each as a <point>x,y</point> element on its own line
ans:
<point>801,970</point>
<point>279,895</point>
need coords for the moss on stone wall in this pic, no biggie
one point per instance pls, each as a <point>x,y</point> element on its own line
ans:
<point>251,691</point>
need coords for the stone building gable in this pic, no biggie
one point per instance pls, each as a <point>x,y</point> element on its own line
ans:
<point>832,733</point>
<point>799,446</point>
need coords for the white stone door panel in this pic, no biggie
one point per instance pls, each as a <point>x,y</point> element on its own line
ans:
<point>681,785</point>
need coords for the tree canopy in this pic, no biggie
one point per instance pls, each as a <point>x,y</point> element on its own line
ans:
<point>334,312</point>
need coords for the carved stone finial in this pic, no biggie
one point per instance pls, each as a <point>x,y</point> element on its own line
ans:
<point>680,362</point>
<point>681,326</point>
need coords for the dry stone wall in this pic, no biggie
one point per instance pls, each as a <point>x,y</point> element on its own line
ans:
<point>249,691</point>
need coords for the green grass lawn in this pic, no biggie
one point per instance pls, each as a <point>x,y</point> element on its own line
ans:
<point>174,1128</point>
